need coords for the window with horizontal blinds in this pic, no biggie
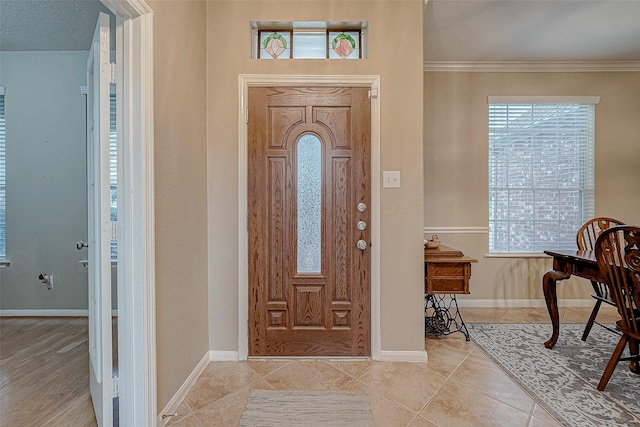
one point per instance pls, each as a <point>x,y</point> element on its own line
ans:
<point>541,174</point>
<point>3,181</point>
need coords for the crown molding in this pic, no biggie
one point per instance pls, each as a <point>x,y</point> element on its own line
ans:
<point>530,66</point>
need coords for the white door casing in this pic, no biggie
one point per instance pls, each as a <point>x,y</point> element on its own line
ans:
<point>248,80</point>
<point>136,223</point>
<point>99,224</point>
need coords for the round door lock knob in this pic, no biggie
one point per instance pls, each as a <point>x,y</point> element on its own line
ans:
<point>361,225</point>
<point>362,245</point>
<point>362,207</point>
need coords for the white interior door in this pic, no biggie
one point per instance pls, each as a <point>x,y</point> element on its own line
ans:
<point>99,224</point>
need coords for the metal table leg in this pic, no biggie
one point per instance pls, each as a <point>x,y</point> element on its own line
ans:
<point>438,320</point>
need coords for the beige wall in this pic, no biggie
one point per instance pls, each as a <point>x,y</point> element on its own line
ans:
<point>180,191</point>
<point>455,164</point>
<point>395,53</point>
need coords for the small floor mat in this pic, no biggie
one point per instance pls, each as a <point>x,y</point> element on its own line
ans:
<point>274,408</point>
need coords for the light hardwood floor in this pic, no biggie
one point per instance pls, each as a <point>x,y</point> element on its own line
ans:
<point>44,372</point>
<point>44,379</point>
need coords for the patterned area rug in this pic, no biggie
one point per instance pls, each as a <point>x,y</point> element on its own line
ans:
<point>564,380</point>
<point>272,408</point>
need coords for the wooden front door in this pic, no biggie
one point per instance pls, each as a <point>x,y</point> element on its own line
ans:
<point>308,221</point>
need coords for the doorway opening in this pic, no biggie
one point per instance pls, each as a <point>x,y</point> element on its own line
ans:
<point>135,282</point>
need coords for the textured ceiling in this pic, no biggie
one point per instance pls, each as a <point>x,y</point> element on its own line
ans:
<point>454,30</point>
<point>48,24</point>
<point>532,30</point>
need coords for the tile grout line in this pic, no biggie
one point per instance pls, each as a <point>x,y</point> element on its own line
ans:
<point>447,379</point>
<point>288,362</point>
<point>499,400</point>
<point>386,397</point>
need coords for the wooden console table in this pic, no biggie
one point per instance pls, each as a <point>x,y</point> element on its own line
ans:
<point>446,273</point>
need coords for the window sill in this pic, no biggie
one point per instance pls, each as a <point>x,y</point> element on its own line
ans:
<point>516,255</point>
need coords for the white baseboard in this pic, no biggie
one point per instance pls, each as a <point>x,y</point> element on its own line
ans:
<point>403,356</point>
<point>44,313</point>
<point>223,356</point>
<point>511,303</point>
<point>574,303</point>
<point>173,404</point>
<point>48,313</point>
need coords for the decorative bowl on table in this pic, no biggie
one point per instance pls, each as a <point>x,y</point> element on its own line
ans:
<point>432,243</point>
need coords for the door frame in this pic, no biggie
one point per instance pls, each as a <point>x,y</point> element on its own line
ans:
<point>136,223</point>
<point>267,80</point>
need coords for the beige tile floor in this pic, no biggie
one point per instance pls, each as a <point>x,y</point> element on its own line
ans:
<point>459,386</point>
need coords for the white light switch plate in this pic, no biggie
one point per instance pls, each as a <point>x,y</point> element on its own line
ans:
<point>390,179</point>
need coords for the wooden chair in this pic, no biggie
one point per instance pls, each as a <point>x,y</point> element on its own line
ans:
<point>618,255</point>
<point>586,239</point>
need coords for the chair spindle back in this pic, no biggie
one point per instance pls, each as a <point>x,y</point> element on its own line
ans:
<point>590,230</point>
<point>618,254</point>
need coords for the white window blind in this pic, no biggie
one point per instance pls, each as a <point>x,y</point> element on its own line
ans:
<point>3,201</point>
<point>113,162</point>
<point>541,173</point>
<point>113,167</point>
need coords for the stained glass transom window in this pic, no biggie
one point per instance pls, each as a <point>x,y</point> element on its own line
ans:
<point>275,45</point>
<point>308,40</point>
<point>309,200</point>
<point>344,44</point>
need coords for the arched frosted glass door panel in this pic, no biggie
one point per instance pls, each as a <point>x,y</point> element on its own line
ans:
<point>309,197</point>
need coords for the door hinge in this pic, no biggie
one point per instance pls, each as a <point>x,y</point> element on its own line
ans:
<point>114,231</point>
<point>247,116</point>
<point>113,73</point>
<point>373,93</point>
<point>115,386</point>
